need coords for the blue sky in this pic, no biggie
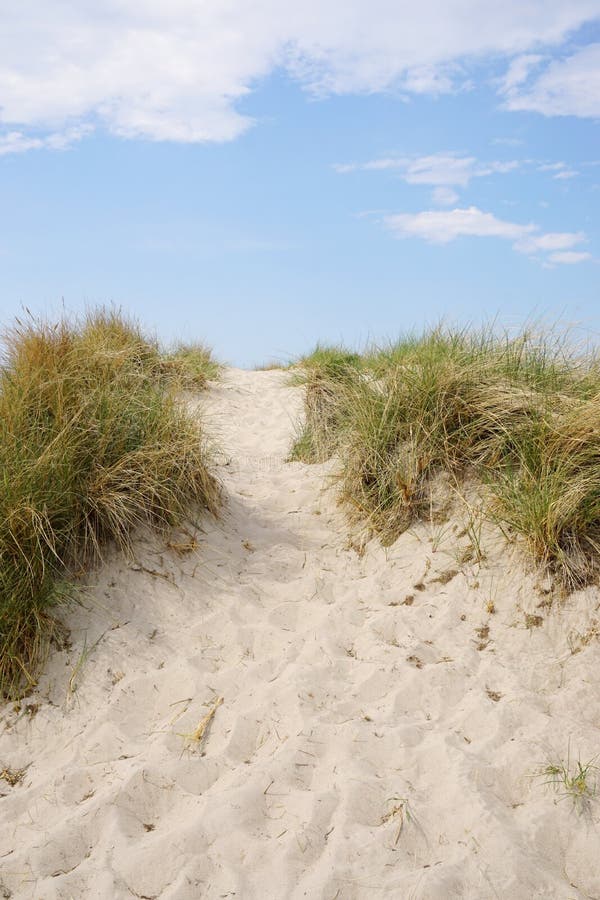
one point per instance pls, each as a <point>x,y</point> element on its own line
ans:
<point>261,178</point>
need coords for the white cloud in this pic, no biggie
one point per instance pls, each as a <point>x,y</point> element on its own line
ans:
<point>441,169</point>
<point>345,168</point>
<point>566,87</point>
<point>569,257</point>
<point>552,240</point>
<point>444,196</point>
<point>178,71</point>
<point>428,80</point>
<point>560,170</point>
<point>383,164</point>
<point>508,141</point>
<point>518,71</point>
<point>437,169</point>
<point>18,142</point>
<point>442,227</point>
<point>375,165</point>
<point>448,172</point>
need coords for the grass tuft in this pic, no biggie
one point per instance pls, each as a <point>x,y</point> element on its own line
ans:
<point>191,365</point>
<point>573,780</point>
<point>520,415</point>
<point>93,444</point>
<point>326,373</point>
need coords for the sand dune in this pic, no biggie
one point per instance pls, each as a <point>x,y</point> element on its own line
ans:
<point>383,716</point>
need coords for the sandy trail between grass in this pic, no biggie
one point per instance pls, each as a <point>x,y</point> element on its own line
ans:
<point>379,725</point>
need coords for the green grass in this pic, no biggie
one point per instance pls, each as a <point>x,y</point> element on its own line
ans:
<point>521,415</point>
<point>93,443</point>
<point>325,373</point>
<point>192,365</point>
<point>329,359</point>
<point>549,492</point>
<point>573,780</point>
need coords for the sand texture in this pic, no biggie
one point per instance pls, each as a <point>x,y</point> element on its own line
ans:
<point>383,714</point>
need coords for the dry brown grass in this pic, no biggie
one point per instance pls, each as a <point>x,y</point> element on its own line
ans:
<point>93,444</point>
<point>520,415</point>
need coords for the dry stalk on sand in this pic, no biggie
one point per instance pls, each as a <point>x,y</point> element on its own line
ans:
<point>12,776</point>
<point>197,736</point>
<point>188,545</point>
<point>400,812</point>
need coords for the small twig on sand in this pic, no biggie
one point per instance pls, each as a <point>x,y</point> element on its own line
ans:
<point>136,567</point>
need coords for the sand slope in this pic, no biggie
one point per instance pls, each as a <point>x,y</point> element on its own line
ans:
<point>379,726</point>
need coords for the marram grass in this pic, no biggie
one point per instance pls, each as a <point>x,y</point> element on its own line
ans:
<point>329,375</point>
<point>519,414</point>
<point>192,365</point>
<point>93,443</point>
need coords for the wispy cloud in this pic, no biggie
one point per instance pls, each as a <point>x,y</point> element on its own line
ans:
<point>565,174</point>
<point>454,170</point>
<point>564,87</point>
<point>19,142</point>
<point>179,71</point>
<point>552,240</point>
<point>444,196</point>
<point>373,165</point>
<point>448,169</point>
<point>518,72</point>
<point>449,172</point>
<point>444,226</point>
<point>569,257</point>
<point>509,141</point>
<point>559,170</point>
<point>445,172</point>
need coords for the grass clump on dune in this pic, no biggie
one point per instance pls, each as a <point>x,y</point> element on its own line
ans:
<point>518,414</point>
<point>93,443</point>
<point>327,372</point>
<point>549,493</point>
<point>192,365</point>
<point>329,359</point>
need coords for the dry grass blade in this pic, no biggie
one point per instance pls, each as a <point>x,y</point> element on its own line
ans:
<point>185,546</point>
<point>197,736</point>
<point>12,776</point>
<point>399,813</point>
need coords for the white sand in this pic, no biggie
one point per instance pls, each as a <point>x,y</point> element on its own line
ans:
<point>341,704</point>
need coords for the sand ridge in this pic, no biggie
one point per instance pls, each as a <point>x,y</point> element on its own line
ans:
<point>379,727</point>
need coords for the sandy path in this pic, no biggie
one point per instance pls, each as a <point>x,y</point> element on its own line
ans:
<point>371,741</point>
